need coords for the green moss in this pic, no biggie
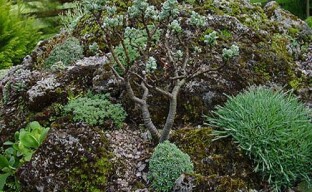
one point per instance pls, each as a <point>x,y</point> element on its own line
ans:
<point>293,31</point>
<point>219,165</point>
<point>261,69</point>
<point>226,34</point>
<point>279,43</point>
<point>91,176</point>
<point>192,108</point>
<point>215,183</point>
<point>295,83</point>
<point>202,7</point>
<point>92,173</point>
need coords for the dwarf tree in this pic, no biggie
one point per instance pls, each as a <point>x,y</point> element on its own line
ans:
<point>158,48</point>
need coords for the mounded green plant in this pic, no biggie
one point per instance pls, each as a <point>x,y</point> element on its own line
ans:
<point>167,163</point>
<point>18,36</point>
<point>66,53</point>
<point>95,110</point>
<point>309,21</point>
<point>274,129</point>
<point>26,142</point>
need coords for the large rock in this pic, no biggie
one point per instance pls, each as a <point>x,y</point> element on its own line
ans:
<point>218,165</point>
<point>28,91</point>
<point>74,157</point>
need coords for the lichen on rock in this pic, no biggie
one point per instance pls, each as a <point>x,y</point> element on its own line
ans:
<point>42,87</point>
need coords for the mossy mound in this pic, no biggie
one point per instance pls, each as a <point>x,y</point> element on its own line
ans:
<point>219,165</point>
<point>74,157</point>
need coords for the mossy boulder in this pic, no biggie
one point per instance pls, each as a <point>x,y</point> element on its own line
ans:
<point>30,94</point>
<point>219,165</point>
<point>74,157</point>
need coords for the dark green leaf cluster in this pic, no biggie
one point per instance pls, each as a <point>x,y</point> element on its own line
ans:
<point>66,53</point>
<point>167,163</point>
<point>26,142</point>
<point>272,127</point>
<point>95,110</point>
<point>17,35</point>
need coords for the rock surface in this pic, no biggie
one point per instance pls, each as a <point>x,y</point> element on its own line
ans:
<point>66,149</point>
<point>133,150</point>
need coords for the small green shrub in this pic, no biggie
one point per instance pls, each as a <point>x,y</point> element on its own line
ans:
<point>27,141</point>
<point>95,110</point>
<point>67,53</point>
<point>18,36</point>
<point>167,163</point>
<point>274,129</point>
<point>309,21</point>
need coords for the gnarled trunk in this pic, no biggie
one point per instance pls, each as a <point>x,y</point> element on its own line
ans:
<point>172,111</point>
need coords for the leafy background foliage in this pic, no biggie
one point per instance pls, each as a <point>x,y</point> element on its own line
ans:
<point>18,35</point>
<point>272,127</point>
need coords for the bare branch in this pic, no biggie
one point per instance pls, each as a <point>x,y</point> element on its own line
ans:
<point>166,93</point>
<point>137,47</point>
<point>145,93</point>
<point>116,74</point>
<point>115,57</point>
<point>186,54</point>
<point>170,57</point>
<point>122,41</point>
<point>200,72</point>
<point>132,95</point>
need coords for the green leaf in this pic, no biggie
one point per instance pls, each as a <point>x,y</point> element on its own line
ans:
<point>3,178</point>
<point>8,143</point>
<point>3,162</point>
<point>43,135</point>
<point>33,126</point>
<point>10,151</point>
<point>28,140</point>
<point>28,156</point>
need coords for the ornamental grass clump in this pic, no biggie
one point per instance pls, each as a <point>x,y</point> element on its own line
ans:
<point>95,110</point>
<point>274,129</point>
<point>167,163</point>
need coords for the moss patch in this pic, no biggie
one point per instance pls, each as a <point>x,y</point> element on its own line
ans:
<point>219,165</point>
<point>91,175</point>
